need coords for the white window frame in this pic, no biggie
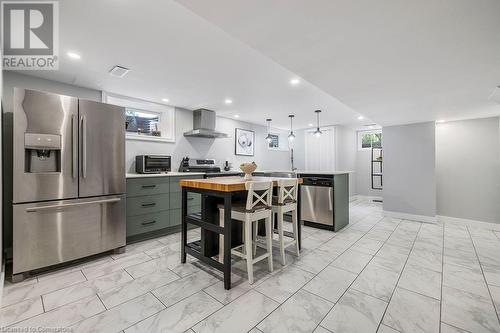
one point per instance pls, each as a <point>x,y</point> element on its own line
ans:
<point>166,113</point>
<point>283,144</point>
<point>360,138</point>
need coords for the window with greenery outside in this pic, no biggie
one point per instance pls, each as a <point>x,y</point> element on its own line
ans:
<point>369,140</point>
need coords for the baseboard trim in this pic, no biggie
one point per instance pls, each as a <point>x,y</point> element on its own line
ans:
<point>469,222</point>
<point>353,198</point>
<point>368,197</point>
<point>411,217</point>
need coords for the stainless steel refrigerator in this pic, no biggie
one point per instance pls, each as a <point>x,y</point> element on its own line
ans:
<point>69,179</point>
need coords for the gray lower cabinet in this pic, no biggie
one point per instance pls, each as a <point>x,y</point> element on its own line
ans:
<point>154,205</point>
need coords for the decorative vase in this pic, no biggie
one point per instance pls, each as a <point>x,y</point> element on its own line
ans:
<point>248,168</point>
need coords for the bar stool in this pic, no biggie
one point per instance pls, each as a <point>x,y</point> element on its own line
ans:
<point>257,207</point>
<point>285,202</point>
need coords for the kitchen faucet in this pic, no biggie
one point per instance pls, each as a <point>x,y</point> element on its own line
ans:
<point>291,159</point>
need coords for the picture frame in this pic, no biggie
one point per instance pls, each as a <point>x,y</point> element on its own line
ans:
<point>244,142</point>
<point>275,142</point>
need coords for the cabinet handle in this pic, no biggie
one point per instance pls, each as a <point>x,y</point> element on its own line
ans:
<point>148,222</point>
<point>149,204</point>
<point>190,198</point>
<point>148,186</point>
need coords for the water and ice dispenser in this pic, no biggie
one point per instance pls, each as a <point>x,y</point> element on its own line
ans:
<point>42,153</point>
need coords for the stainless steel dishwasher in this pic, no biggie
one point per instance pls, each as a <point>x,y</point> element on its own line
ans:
<point>317,200</point>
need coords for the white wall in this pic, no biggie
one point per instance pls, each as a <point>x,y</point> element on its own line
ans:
<point>409,169</point>
<point>468,169</point>
<point>346,148</point>
<point>220,149</point>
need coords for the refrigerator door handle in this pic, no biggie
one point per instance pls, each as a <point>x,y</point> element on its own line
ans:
<point>74,146</point>
<point>93,202</point>
<point>84,146</point>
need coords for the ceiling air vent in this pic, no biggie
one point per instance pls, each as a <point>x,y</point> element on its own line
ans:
<point>119,71</point>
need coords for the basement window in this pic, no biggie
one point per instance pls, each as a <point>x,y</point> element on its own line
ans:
<point>145,120</point>
<point>369,139</point>
<point>142,122</point>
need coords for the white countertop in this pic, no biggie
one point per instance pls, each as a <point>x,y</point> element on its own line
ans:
<point>176,174</point>
<point>169,174</point>
<point>325,172</point>
<point>310,172</point>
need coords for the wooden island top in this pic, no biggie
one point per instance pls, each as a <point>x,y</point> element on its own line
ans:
<point>226,184</point>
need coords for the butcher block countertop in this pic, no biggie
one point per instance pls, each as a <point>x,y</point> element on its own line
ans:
<point>226,184</point>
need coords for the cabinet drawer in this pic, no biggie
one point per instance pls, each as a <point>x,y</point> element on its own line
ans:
<point>147,186</point>
<point>174,182</point>
<point>148,222</point>
<point>193,199</point>
<point>147,204</point>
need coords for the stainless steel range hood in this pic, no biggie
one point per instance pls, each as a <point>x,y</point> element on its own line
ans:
<point>204,125</point>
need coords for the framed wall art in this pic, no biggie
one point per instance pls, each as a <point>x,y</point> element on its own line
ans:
<point>244,142</point>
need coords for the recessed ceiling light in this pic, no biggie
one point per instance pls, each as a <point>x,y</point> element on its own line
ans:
<point>440,121</point>
<point>165,100</point>
<point>228,101</point>
<point>294,82</point>
<point>236,116</point>
<point>310,125</point>
<point>73,55</point>
<point>361,117</point>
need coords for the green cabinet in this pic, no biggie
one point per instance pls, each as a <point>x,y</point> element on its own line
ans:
<point>154,204</point>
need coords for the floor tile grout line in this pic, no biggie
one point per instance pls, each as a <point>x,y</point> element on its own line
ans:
<point>399,278</point>
<point>152,315</point>
<point>105,307</point>
<point>373,256</point>
<point>461,329</point>
<point>97,314</point>
<point>484,277</point>
<point>442,281</point>
<point>301,288</point>
<point>43,305</point>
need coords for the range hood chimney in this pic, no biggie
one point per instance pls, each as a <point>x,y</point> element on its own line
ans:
<point>204,125</point>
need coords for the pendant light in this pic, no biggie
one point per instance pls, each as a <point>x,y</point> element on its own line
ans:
<point>291,136</point>
<point>268,137</point>
<point>317,132</point>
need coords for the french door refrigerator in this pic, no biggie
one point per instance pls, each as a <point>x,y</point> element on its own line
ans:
<point>68,179</point>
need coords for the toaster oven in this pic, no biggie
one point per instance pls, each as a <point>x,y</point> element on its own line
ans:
<point>152,163</point>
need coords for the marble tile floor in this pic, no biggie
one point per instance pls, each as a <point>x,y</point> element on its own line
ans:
<point>377,275</point>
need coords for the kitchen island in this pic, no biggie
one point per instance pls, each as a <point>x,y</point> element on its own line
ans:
<point>215,191</point>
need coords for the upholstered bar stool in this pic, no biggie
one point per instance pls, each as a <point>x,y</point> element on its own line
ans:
<point>257,207</point>
<point>285,202</point>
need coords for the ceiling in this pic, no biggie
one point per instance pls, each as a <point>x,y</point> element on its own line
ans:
<point>393,61</point>
<point>175,54</point>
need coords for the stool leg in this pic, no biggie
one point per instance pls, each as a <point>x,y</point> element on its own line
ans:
<point>248,249</point>
<point>295,230</point>
<point>255,229</point>
<point>269,242</point>
<point>281,237</point>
